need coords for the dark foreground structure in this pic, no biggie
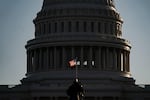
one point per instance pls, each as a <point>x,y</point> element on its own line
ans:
<point>87,29</point>
<point>75,91</point>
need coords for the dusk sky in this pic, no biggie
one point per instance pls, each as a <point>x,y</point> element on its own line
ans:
<point>16,28</point>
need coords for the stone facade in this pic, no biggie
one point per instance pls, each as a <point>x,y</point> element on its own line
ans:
<point>89,30</point>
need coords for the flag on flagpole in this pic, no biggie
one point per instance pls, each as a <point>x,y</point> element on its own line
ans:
<point>72,63</point>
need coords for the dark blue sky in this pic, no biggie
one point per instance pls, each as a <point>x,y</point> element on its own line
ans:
<point>16,28</point>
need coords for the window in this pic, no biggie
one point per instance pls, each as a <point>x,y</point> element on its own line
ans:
<point>92,26</point>
<point>62,26</point>
<point>49,28</point>
<point>111,57</point>
<point>85,26</point>
<point>99,27</point>
<point>77,26</point>
<point>69,26</point>
<point>111,29</point>
<point>55,27</point>
<point>40,28</point>
<point>106,27</point>
<point>44,28</point>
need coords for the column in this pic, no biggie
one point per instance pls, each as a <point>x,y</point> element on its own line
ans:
<point>69,26</point>
<point>55,58</point>
<point>72,53</point>
<point>115,59</point>
<point>102,25</point>
<point>99,98</point>
<point>42,28</point>
<point>99,57</point>
<point>119,60</point>
<point>90,57</point>
<point>96,27</point>
<point>73,26</point>
<point>44,59</point>
<point>113,98</point>
<point>107,58</point>
<point>59,53</point>
<point>46,27</point>
<point>99,27</point>
<point>65,26</point>
<point>31,63</point>
<point>96,57</point>
<point>49,27</point>
<point>47,58</point>
<point>81,26</point>
<point>40,59</point>
<point>128,60</point>
<point>88,26</point>
<point>51,58</point>
<point>82,60</point>
<point>124,61</point>
<point>104,58</point>
<point>34,60</point>
<point>59,27</point>
<point>108,29</point>
<point>52,27</point>
<point>63,57</point>
<point>28,61</point>
<point>92,26</point>
<point>55,27</point>
<point>37,59</point>
<point>113,29</point>
<point>37,98</point>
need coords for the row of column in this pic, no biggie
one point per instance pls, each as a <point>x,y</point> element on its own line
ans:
<point>86,98</point>
<point>77,26</point>
<point>50,98</point>
<point>102,58</point>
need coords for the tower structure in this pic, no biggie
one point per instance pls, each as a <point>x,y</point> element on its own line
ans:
<point>90,30</point>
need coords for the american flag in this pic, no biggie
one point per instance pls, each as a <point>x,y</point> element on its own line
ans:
<point>72,63</point>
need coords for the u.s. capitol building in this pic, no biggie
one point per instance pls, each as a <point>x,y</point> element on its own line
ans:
<point>90,30</point>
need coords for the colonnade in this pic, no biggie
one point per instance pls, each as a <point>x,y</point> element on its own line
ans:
<point>64,26</point>
<point>102,58</point>
<point>86,98</point>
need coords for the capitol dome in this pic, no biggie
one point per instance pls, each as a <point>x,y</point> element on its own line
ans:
<point>89,30</point>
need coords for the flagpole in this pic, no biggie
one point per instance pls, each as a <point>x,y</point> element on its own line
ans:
<point>76,72</point>
<point>76,69</point>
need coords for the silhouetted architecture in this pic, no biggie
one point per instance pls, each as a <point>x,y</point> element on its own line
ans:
<point>90,30</point>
